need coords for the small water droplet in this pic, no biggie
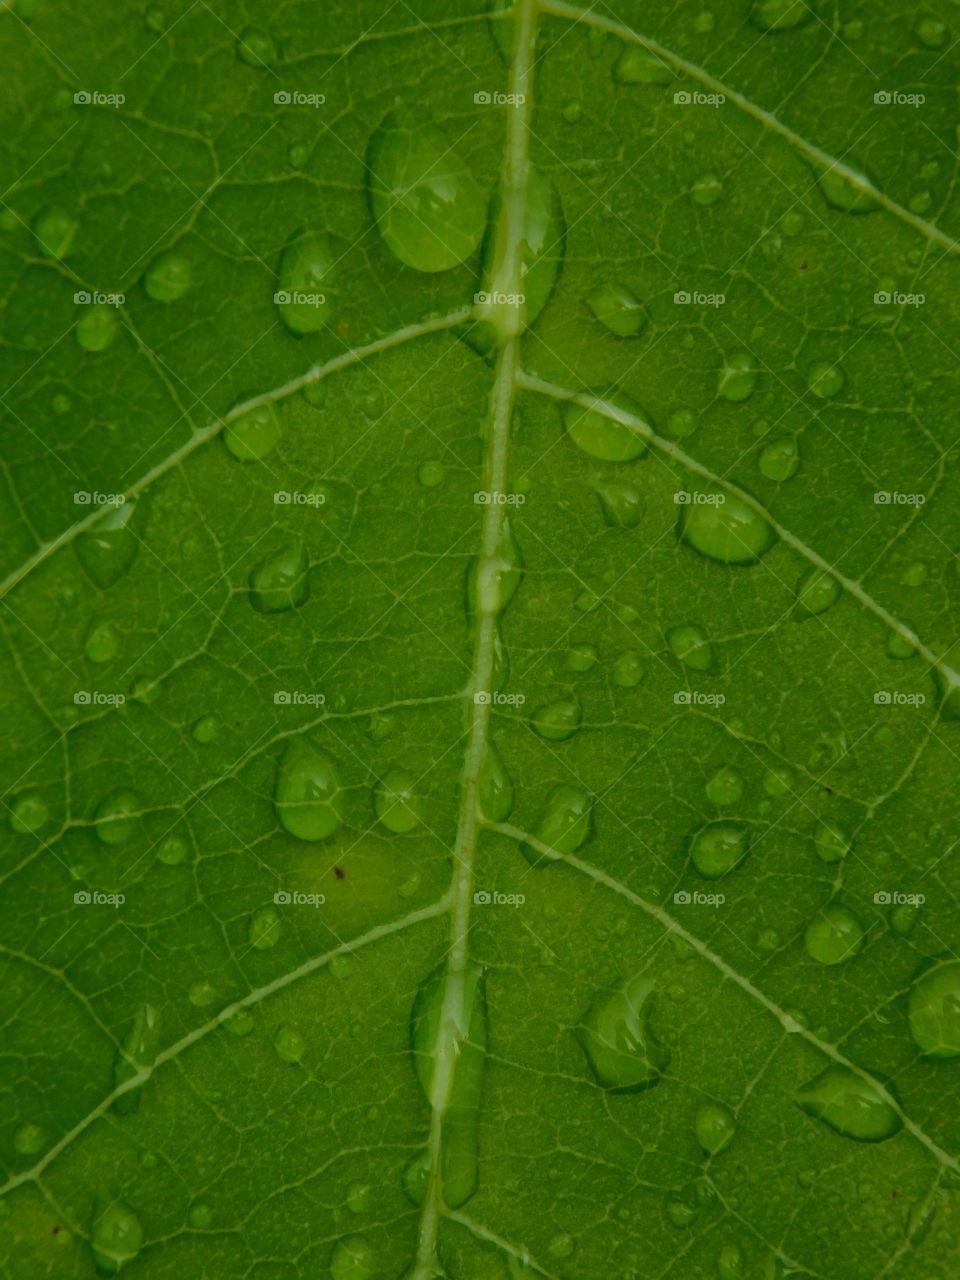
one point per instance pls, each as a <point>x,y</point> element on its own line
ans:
<point>397,802</point>
<point>730,1263</point>
<point>137,1051</point>
<point>256,48</point>
<point>102,642</point>
<point>289,1045</point>
<point>738,377</point>
<point>117,815</point>
<point>903,917</point>
<point>621,503</point>
<point>201,993</point>
<point>495,788</point>
<point>850,194</point>
<point>682,423</point>
<point>492,582</point>
<point>55,231</point>
<point>264,929</point>
<point>618,1038</point>
<point>725,786</point>
<point>28,813</point>
<point>728,530</point>
<point>602,437</point>
<point>934,1010</point>
<point>931,32</point>
<point>781,15</point>
<point>581,657</point>
<point>431,473</point>
<point>831,841</point>
<point>833,935</point>
<point>561,1246</point>
<point>306,283</point>
<point>718,847</point>
<point>116,1237</point>
<point>168,277</point>
<point>704,22</point>
<point>109,547</point>
<point>714,1127</point>
<point>689,645</point>
<point>627,670</point>
<point>780,459</point>
<point>637,65</point>
<point>816,592</point>
<point>206,729</point>
<point>28,1139</point>
<point>308,795</point>
<point>298,153</point>
<point>778,781</point>
<point>172,851</point>
<point>572,112</point>
<point>558,721</point>
<point>98,327</point>
<point>281,581</point>
<point>707,189</point>
<point>825,379</point>
<point>850,1105</point>
<point>617,309</point>
<point>564,824</point>
<point>253,434</point>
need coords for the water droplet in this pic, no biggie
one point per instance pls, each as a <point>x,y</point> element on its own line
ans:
<point>168,277</point>
<point>264,928</point>
<point>98,327</point>
<point>55,231</point>
<point>780,15</point>
<point>725,786</point>
<point>396,801</point>
<point>172,851</point>
<point>564,824</point>
<point>679,1213</point>
<point>116,1237</point>
<point>581,657</point>
<point>903,917</point>
<point>825,379</point>
<point>730,1263</point>
<point>495,788</point>
<point>628,670</point>
<point>289,1044</point>
<point>28,1139</point>
<point>558,721</point>
<point>102,642</point>
<point>201,993</point>
<point>600,436</point>
<point>298,153</point>
<point>850,194</point>
<point>831,842</point>
<point>729,530</point>
<point>117,815</point>
<point>109,547</point>
<point>28,813</point>
<point>491,582</point>
<point>934,1010</point>
<point>816,592</point>
<point>738,377</point>
<point>281,581</point>
<point>780,459</point>
<point>714,1128</point>
<point>561,1246</point>
<point>256,48</point>
<point>426,202</point>
<point>617,308</point>
<point>618,1039</point>
<point>704,22</point>
<point>572,112</point>
<point>718,847</point>
<point>637,65</point>
<point>253,434</point>
<point>430,1035</point>
<point>306,283</point>
<point>689,644</point>
<point>778,781</point>
<point>360,1197</point>
<point>833,935</point>
<point>621,503</point>
<point>707,189</point>
<point>915,574</point>
<point>431,473</point>
<point>682,423</point>
<point>931,32</point>
<point>850,1105</point>
<point>155,21</point>
<point>206,729</point>
<point>307,794</point>
<point>898,646</point>
<point>139,1050</point>
<point>200,1216</point>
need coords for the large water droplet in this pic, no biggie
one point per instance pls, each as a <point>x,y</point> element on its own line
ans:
<point>354,1258</point>
<point>738,378</point>
<point>495,787</point>
<point>602,437</point>
<point>558,721</point>
<point>617,1036</point>
<point>308,795</point>
<point>137,1051</point>
<point>714,1127</point>
<point>117,815</point>
<point>282,580</point>
<point>397,802</point>
<point>168,277</point>
<point>617,308</point>
<point>426,202</point>
<point>109,547</point>
<point>116,1237</point>
<point>833,935</point>
<point>253,434</point>
<point>457,1045</point>
<point>727,530</point>
<point>564,824</point>
<point>689,644</point>
<point>934,1010</point>
<point>306,283</point>
<point>850,1105</point>
<point>718,847</point>
<point>98,327</point>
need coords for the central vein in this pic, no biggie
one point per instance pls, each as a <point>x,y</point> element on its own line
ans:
<point>508,259</point>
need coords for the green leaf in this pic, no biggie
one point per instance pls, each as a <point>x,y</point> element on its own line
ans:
<point>479,601</point>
